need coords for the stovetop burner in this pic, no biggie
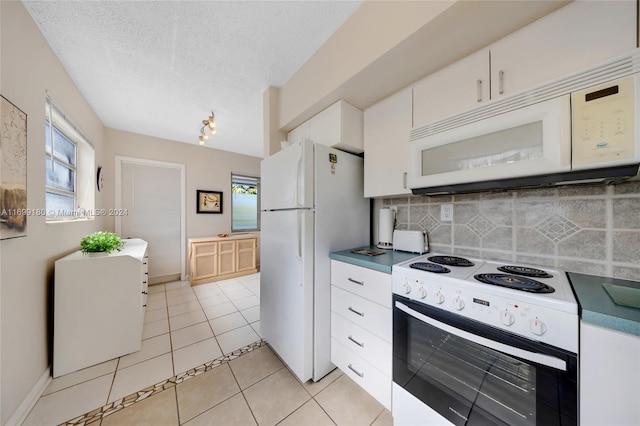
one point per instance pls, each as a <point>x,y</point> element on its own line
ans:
<point>430,267</point>
<point>525,271</point>
<point>515,282</point>
<point>451,260</point>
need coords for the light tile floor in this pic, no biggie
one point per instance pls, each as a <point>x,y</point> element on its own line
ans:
<point>186,327</point>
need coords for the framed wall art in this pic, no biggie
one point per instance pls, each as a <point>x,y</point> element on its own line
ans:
<point>13,171</point>
<point>209,201</point>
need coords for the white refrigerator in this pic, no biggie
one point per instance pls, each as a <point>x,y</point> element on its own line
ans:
<point>312,203</point>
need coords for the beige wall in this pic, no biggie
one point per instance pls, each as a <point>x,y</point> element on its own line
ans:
<point>29,69</point>
<point>206,168</point>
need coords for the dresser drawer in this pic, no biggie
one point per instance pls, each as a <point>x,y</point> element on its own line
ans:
<point>362,312</point>
<point>364,374</point>
<point>374,285</point>
<point>365,344</point>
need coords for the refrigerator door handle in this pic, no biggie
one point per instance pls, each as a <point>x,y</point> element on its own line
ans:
<point>299,238</point>
<point>298,172</point>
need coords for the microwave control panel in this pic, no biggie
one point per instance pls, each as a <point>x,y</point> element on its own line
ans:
<point>604,125</point>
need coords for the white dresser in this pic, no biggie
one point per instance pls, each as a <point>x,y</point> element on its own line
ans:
<point>361,327</point>
<point>99,306</point>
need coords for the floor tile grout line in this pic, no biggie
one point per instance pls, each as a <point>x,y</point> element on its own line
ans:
<point>163,295</point>
<point>152,390</point>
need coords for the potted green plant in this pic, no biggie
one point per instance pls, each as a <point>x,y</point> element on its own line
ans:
<point>101,241</point>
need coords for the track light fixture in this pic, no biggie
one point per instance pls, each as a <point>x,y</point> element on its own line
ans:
<point>207,124</point>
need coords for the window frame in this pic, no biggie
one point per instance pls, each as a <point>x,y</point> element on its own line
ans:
<point>235,176</point>
<point>84,169</point>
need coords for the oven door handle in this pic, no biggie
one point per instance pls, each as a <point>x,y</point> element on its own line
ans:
<point>549,361</point>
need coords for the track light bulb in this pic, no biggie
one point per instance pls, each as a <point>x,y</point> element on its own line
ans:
<point>214,131</point>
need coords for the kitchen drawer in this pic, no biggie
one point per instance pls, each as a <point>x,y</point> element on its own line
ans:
<point>362,312</point>
<point>374,285</point>
<point>368,346</point>
<point>364,374</point>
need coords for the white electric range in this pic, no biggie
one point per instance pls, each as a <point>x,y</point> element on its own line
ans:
<point>482,341</point>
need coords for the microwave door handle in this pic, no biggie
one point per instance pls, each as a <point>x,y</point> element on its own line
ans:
<point>543,359</point>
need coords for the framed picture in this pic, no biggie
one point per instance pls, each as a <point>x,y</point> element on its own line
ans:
<point>209,201</point>
<point>13,171</point>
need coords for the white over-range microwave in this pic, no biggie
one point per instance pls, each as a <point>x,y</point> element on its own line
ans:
<point>581,128</point>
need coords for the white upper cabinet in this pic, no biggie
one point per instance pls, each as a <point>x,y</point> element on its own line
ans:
<point>574,37</point>
<point>457,87</point>
<point>339,126</point>
<point>386,135</point>
<point>299,133</point>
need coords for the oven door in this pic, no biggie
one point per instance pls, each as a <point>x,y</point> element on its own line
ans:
<point>472,374</point>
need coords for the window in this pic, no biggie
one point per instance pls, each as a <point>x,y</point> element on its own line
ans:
<point>69,165</point>
<point>245,204</point>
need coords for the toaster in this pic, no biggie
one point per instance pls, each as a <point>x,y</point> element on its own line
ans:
<point>411,241</point>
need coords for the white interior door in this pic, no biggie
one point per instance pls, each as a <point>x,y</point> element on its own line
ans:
<point>152,194</point>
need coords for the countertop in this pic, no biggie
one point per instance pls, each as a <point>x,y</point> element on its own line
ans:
<point>382,262</point>
<point>596,307</point>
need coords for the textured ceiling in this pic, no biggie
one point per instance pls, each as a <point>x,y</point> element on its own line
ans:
<point>159,67</point>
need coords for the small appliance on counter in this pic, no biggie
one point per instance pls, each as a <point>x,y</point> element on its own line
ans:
<point>386,223</point>
<point>411,241</point>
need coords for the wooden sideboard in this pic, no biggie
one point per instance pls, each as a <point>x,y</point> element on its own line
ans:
<point>219,258</point>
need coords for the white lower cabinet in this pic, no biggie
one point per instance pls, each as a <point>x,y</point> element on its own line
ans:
<point>99,306</point>
<point>361,327</point>
<point>609,377</point>
<point>378,385</point>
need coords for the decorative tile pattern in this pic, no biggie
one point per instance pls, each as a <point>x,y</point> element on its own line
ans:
<point>99,413</point>
<point>428,223</point>
<point>481,225</point>
<point>592,228</point>
<point>557,228</point>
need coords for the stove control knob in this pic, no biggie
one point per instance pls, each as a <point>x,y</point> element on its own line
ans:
<point>507,317</point>
<point>537,327</point>
<point>438,297</point>
<point>407,288</point>
<point>458,303</point>
<point>422,293</point>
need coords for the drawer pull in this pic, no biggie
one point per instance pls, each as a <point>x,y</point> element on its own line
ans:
<point>355,371</point>
<point>356,342</point>
<point>356,312</point>
<point>356,281</point>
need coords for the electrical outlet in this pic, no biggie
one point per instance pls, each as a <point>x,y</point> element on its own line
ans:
<point>446,212</point>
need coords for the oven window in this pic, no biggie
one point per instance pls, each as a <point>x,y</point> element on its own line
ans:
<point>494,385</point>
<point>472,384</point>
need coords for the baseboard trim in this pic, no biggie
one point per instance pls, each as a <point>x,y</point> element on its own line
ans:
<point>164,279</point>
<point>23,410</point>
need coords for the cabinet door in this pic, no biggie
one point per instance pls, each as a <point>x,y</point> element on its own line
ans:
<point>204,260</point>
<point>576,36</point>
<point>299,133</point>
<point>246,254</point>
<point>226,257</point>
<point>386,137</point>
<point>453,89</point>
<point>325,127</point>
<point>339,126</point>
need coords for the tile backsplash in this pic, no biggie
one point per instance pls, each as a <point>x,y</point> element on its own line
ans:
<point>593,229</point>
